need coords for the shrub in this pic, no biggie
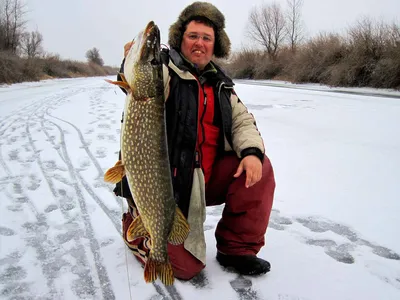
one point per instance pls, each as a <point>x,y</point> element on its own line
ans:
<point>16,69</point>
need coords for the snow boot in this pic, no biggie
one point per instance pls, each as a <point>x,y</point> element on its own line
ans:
<point>244,264</point>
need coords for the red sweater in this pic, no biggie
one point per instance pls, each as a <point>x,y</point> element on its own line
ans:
<point>207,135</point>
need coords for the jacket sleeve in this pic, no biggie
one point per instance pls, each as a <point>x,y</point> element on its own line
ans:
<point>246,138</point>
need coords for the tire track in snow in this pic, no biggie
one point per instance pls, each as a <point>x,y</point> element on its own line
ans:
<point>48,253</point>
<point>17,116</point>
<point>50,260</point>
<point>4,165</point>
<point>105,283</point>
<point>78,250</point>
<point>37,231</point>
<point>85,145</point>
<point>115,220</point>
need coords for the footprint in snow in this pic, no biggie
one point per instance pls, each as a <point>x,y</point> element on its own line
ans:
<point>84,164</point>
<point>200,281</point>
<point>289,297</point>
<point>68,236</point>
<point>34,182</point>
<point>15,289</point>
<point>67,203</point>
<point>101,136</point>
<point>112,138</point>
<point>13,273</point>
<point>13,154</point>
<point>17,188</point>
<point>15,208</point>
<point>4,231</point>
<point>101,152</point>
<point>278,222</point>
<point>91,130</point>
<point>338,252</point>
<point>341,252</point>
<point>243,287</point>
<point>107,242</point>
<point>104,126</point>
<point>11,259</point>
<point>51,208</point>
<point>12,140</point>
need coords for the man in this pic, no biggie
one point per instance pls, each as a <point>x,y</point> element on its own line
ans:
<point>215,150</point>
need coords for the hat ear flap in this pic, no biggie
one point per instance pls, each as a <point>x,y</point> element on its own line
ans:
<point>175,35</point>
<point>222,45</point>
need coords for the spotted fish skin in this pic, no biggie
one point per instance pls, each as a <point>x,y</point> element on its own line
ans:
<point>144,155</point>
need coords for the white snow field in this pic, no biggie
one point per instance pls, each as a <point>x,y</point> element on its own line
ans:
<point>334,232</point>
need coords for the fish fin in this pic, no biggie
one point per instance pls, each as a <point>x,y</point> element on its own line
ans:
<point>123,78</point>
<point>122,84</point>
<point>162,270</point>
<point>180,229</point>
<point>115,173</point>
<point>137,229</point>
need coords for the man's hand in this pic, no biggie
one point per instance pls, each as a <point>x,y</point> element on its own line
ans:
<point>127,47</point>
<point>253,167</point>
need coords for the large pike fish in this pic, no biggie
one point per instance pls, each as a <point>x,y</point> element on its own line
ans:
<point>144,156</point>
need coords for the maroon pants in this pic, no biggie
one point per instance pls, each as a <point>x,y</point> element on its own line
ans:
<point>244,221</point>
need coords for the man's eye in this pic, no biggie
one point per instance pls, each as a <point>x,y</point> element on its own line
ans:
<point>193,36</point>
<point>206,38</point>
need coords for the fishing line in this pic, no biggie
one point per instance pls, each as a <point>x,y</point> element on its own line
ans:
<point>126,251</point>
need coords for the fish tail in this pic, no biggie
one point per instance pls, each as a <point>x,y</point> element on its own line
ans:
<point>162,270</point>
<point>115,173</point>
<point>180,228</point>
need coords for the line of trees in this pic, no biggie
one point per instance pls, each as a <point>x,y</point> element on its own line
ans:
<point>23,58</point>
<point>368,54</point>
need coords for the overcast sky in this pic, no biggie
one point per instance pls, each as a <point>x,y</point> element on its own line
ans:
<point>71,27</point>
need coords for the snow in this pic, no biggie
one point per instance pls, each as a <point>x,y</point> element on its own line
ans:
<point>333,232</point>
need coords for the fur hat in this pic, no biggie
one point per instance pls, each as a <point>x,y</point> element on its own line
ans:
<point>206,10</point>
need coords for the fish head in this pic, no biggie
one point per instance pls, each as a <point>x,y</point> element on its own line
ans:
<point>142,68</point>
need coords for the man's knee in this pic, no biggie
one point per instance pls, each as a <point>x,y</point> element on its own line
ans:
<point>184,264</point>
<point>189,273</point>
<point>267,169</point>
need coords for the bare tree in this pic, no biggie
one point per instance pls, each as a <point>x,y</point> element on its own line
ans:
<point>394,35</point>
<point>369,37</point>
<point>294,24</point>
<point>267,27</point>
<point>11,24</point>
<point>93,56</point>
<point>31,44</point>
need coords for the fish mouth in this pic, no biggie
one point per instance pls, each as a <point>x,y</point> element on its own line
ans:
<point>151,43</point>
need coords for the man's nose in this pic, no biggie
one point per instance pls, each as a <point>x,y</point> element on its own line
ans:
<point>199,41</point>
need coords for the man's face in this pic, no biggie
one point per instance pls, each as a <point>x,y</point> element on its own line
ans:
<point>198,44</point>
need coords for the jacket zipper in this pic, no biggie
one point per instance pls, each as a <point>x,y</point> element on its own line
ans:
<point>203,131</point>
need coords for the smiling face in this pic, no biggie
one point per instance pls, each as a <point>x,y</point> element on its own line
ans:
<point>198,43</point>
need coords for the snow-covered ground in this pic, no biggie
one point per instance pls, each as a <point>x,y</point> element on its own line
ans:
<point>334,232</point>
